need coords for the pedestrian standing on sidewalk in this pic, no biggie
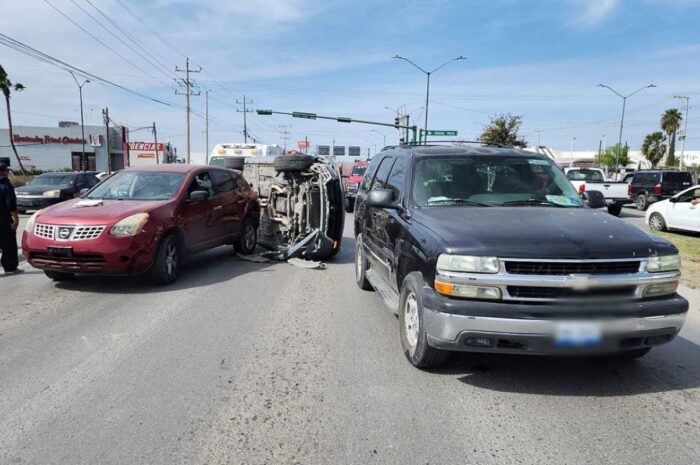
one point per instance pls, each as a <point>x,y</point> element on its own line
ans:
<point>9,221</point>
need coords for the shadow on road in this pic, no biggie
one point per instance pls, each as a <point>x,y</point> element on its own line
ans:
<point>671,368</point>
<point>211,267</point>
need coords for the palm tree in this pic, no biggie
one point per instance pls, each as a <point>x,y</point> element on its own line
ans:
<point>6,86</point>
<point>670,123</point>
<point>653,147</point>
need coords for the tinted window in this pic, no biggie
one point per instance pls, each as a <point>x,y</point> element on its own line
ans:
<point>397,177</point>
<point>677,177</point>
<point>585,175</point>
<point>92,180</point>
<point>223,181</point>
<point>369,174</point>
<point>382,173</point>
<point>202,182</point>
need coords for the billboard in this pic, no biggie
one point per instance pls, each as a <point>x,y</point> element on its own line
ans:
<point>354,151</point>
<point>324,150</point>
<point>339,151</point>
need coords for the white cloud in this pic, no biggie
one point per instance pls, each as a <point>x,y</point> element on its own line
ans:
<point>594,12</point>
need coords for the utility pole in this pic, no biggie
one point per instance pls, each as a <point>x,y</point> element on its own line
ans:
<point>245,112</point>
<point>285,133</point>
<point>188,84</point>
<point>685,126</point>
<point>306,145</point>
<point>571,153</point>
<point>155,139</point>
<point>83,159</point>
<point>105,115</point>
<point>206,127</point>
<point>539,137</point>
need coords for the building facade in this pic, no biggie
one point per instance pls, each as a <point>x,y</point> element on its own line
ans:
<point>61,148</point>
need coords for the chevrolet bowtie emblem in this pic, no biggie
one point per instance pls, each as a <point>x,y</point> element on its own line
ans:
<point>579,282</point>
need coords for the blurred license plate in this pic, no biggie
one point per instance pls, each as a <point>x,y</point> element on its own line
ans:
<point>578,334</point>
<point>64,252</point>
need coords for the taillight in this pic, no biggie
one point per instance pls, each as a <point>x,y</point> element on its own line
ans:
<point>582,188</point>
<point>657,189</point>
<point>629,189</point>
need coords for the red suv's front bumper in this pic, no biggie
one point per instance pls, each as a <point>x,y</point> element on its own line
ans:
<point>105,254</point>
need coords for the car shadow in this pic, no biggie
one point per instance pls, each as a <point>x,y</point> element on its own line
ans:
<point>347,251</point>
<point>211,267</point>
<point>668,368</point>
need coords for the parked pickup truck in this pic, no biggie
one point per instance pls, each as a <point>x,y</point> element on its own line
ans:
<point>493,250</point>
<point>588,179</point>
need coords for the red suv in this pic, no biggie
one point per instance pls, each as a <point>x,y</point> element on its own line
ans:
<point>352,183</point>
<point>144,220</point>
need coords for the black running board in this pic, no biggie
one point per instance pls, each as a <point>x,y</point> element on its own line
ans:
<point>388,295</point>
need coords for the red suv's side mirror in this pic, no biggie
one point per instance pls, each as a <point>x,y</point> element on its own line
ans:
<point>198,196</point>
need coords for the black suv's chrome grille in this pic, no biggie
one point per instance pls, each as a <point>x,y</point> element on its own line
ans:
<point>566,268</point>
<point>531,292</point>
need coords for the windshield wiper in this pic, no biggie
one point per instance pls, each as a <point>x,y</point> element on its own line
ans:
<point>460,201</point>
<point>533,202</point>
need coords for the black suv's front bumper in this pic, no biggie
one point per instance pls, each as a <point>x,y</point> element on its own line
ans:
<point>466,325</point>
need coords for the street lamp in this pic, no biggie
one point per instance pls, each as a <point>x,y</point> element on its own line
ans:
<point>427,87</point>
<point>622,120</point>
<point>83,159</point>
<point>571,152</point>
<point>381,134</point>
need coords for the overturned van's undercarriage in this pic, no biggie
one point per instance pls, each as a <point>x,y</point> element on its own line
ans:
<point>301,205</point>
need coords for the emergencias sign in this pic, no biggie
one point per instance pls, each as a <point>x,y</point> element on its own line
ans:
<point>145,146</point>
<point>46,140</point>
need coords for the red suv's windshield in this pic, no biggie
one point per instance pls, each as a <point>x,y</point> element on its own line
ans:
<point>137,185</point>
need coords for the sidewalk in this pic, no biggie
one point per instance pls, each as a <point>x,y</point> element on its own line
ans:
<point>693,296</point>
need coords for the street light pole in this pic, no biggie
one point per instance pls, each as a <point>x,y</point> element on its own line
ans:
<point>427,87</point>
<point>83,158</point>
<point>685,125</point>
<point>622,120</point>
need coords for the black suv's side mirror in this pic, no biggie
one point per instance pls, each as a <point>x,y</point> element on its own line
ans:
<point>84,191</point>
<point>381,198</point>
<point>198,196</point>
<point>594,199</point>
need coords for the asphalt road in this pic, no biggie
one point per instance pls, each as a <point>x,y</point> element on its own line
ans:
<point>251,363</point>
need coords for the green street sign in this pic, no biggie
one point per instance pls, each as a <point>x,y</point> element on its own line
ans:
<point>298,114</point>
<point>442,133</point>
<point>343,119</point>
<point>264,112</point>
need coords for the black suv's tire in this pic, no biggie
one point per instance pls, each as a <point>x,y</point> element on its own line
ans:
<point>615,209</point>
<point>167,262</point>
<point>642,202</point>
<point>234,163</point>
<point>293,162</point>
<point>657,222</point>
<point>414,339</point>
<point>247,240</point>
<point>59,275</point>
<point>361,266</point>
<point>349,205</point>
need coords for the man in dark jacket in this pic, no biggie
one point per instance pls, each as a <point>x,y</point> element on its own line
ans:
<point>9,221</point>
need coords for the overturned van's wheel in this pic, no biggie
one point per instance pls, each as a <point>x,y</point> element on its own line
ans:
<point>615,209</point>
<point>293,162</point>
<point>234,163</point>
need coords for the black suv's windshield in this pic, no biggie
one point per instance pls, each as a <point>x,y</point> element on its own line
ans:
<point>492,181</point>
<point>52,180</point>
<point>136,185</point>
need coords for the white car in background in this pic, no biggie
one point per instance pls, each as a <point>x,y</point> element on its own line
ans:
<point>677,212</point>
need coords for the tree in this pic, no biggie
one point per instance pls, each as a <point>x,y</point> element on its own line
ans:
<point>670,123</point>
<point>6,86</point>
<point>615,155</point>
<point>653,147</point>
<point>503,131</point>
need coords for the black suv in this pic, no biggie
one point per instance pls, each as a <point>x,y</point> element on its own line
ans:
<point>484,249</point>
<point>649,186</point>
<point>51,188</point>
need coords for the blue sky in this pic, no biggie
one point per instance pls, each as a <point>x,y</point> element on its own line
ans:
<point>541,60</point>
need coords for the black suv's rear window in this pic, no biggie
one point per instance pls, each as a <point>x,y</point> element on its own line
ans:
<point>677,178</point>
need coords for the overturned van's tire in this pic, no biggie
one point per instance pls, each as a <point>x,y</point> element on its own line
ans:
<point>234,163</point>
<point>293,162</point>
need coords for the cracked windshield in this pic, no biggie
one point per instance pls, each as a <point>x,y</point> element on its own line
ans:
<point>328,232</point>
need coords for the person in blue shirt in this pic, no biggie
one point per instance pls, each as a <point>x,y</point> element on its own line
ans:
<point>9,221</point>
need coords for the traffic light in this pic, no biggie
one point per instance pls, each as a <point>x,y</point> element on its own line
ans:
<point>397,122</point>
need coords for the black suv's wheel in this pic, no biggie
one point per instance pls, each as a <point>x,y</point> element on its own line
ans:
<point>293,162</point>
<point>361,266</point>
<point>248,239</point>
<point>615,209</point>
<point>166,265</point>
<point>414,339</point>
<point>59,275</point>
<point>657,222</point>
<point>642,202</point>
<point>349,205</point>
